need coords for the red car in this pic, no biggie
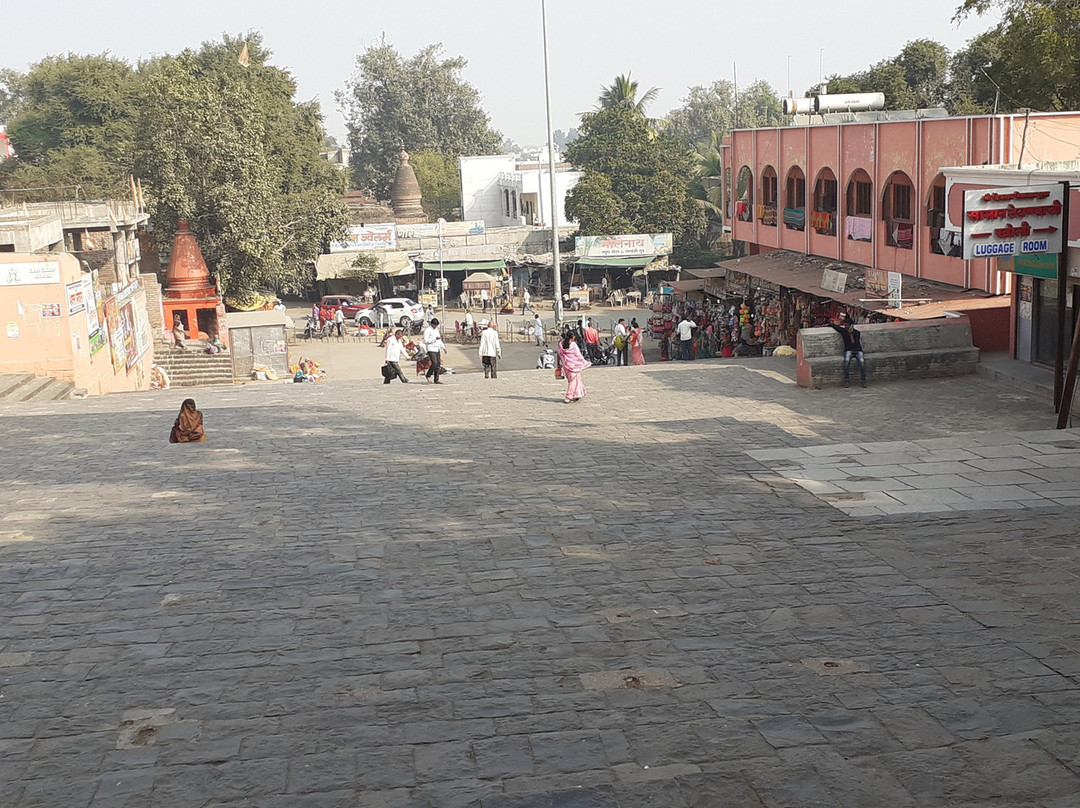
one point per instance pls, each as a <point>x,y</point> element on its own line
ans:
<point>348,304</point>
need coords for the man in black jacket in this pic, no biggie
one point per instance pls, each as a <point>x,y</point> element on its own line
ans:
<point>852,348</point>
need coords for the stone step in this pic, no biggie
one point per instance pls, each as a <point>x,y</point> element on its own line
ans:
<point>11,382</point>
<point>42,388</point>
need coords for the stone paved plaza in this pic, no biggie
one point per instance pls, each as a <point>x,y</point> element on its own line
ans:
<point>702,586</point>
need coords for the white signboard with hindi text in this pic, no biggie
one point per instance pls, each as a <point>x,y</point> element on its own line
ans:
<point>834,281</point>
<point>367,237</point>
<point>640,244</point>
<point>29,273</point>
<point>1003,222</point>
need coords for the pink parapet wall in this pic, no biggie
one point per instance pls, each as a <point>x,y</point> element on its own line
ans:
<point>57,322</point>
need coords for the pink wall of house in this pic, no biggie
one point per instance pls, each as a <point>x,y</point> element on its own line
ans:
<point>909,153</point>
<point>42,336</point>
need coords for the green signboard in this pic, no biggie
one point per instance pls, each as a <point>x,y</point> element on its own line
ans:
<point>1039,265</point>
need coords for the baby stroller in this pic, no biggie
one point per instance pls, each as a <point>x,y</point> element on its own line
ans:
<point>546,360</point>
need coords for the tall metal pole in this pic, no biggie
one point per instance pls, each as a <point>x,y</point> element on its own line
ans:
<point>557,308</point>
<point>442,277</point>
<point>1063,280</point>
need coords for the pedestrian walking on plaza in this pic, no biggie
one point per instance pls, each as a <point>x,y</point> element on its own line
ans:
<point>188,427</point>
<point>339,320</point>
<point>852,348</point>
<point>434,345</point>
<point>572,363</point>
<point>686,337</point>
<point>490,350</point>
<point>395,353</point>
<point>525,302</point>
<point>637,354</point>
<point>484,299</point>
<point>592,340</point>
<point>470,323</point>
<point>622,346</point>
<point>538,331</point>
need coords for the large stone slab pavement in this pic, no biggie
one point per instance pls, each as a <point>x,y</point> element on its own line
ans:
<point>475,595</point>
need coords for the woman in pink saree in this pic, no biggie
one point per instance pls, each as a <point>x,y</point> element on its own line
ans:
<point>637,355</point>
<point>572,363</point>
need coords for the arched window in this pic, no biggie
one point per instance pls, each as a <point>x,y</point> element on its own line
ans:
<point>942,241</point>
<point>795,199</point>
<point>744,191</point>
<point>767,209</point>
<point>898,211</point>
<point>823,215</point>
<point>859,208</point>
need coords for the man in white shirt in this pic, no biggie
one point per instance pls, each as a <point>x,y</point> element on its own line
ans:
<point>395,352</point>
<point>490,350</point>
<point>470,323</point>
<point>434,345</point>
<point>622,345</point>
<point>339,319</point>
<point>686,337</point>
<point>484,299</point>
<point>525,302</point>
<point>538,331</point>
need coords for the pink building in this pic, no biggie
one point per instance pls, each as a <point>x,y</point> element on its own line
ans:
<point>871,192</point>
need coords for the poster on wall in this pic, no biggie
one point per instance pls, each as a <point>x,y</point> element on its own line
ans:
<point>76,297</point>
<point>12,329</point>
<point>30,273</point>
<point>127,324</point>
<point>142,326</point>
<point>51,310</point>
<point>116,335</point>
<point>90,301</point>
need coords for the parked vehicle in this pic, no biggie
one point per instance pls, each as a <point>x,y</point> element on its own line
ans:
<point>400,310</point>
<point>348,304</point>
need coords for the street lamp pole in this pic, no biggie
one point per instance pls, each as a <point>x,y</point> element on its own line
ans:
<point>557,308</point>
<point>442,276</point>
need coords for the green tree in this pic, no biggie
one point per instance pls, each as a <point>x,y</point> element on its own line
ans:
<point>1038,64</point>
<point>364,268</point>
<point>623,93</point>
<point>226,148</point>
<point>705,111</point>
<point>759,105</point>
<point>71,120</point>
<point>646,177</point>
<point>421,102</point>
<point>440,184</point>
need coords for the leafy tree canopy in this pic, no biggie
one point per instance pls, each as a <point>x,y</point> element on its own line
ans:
<point>633,177</point>
<point>623,93</point>
<point>916,78</point>
<point>421,102</point>
<point>226,148</point>
<point>71,120</point>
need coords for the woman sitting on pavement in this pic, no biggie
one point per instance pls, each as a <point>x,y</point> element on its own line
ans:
<point>188,427</point>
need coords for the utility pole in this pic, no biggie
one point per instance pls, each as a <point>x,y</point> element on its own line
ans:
<point>557,308</point>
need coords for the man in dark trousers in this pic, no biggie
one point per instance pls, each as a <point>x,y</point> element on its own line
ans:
<point>852,348</point>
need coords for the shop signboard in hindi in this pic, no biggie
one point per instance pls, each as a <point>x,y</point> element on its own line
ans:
<point>877,282</point>
<point>431,229</point>
<point>29,273</point>
<point>834,281</point>
<point>76,297</point>
<point>1005,222</point>
<point>629,246</point>
<point>367,237</point>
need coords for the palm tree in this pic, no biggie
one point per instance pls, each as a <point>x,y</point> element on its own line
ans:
<point>623,93</point>
<point>706,186</point>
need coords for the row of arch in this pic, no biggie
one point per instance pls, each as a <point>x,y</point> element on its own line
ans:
<point>897,205</point>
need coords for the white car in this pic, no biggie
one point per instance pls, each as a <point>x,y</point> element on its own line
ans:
<point>400,310</point>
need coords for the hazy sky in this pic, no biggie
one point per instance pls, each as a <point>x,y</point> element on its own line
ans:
<point>671,44</point>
